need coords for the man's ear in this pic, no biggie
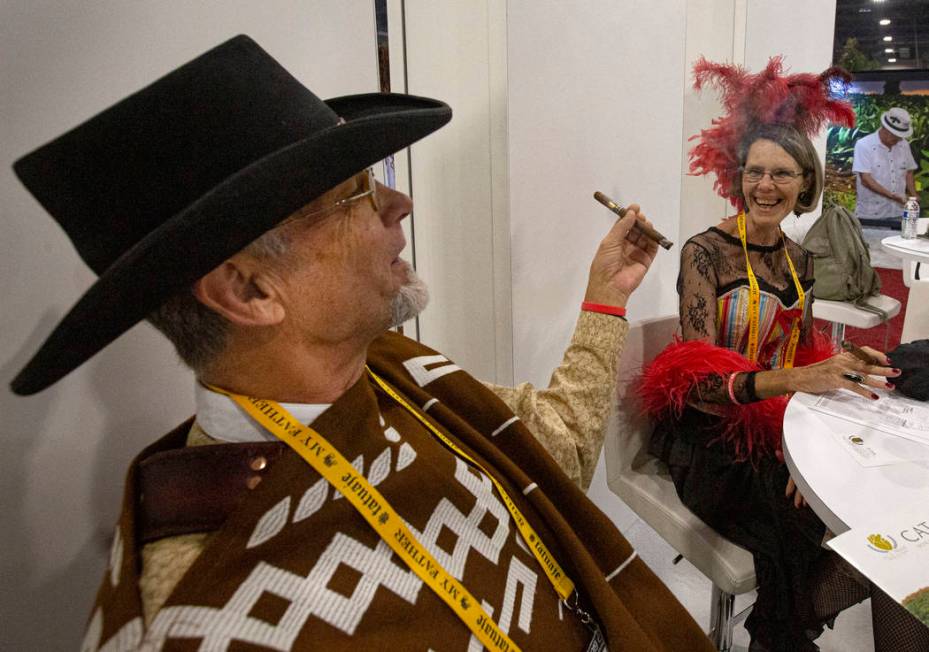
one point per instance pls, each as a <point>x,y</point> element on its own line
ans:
<point>240,293</point>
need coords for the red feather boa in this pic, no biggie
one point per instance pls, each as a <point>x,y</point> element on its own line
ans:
<point>754,429</point>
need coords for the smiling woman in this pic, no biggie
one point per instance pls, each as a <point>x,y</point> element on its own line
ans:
<point>718,396</point>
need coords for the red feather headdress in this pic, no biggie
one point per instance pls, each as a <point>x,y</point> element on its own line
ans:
<point>768,97</point>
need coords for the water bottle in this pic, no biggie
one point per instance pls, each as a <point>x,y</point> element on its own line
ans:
<point>910,218</point>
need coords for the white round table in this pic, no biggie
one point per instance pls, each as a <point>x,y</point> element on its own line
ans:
<point>842,492</point>
<point>914,250</point>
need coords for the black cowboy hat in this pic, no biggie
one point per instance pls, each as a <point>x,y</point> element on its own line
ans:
<point>162,187</point>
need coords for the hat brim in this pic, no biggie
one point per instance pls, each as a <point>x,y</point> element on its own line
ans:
<point>224,221</point>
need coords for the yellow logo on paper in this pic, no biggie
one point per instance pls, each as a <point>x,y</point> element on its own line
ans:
<point>881,544</point>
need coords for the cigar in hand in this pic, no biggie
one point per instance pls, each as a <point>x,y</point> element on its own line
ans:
<point>858,352</point>
<point>646,230</point>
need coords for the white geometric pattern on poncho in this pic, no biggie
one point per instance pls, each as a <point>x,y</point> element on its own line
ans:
<point>309,596</point>
<point>272,522</point>
<point>126,639</point>
<point>116,557</point>
<point>518,574</point>
<point>406,456</point>
<point>470,536</point>
<point>423,376</point>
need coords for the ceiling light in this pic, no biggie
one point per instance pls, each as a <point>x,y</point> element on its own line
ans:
<point>888,50</point>
<point>877,2</point>
<point>891,60</point>
<point>888,38</point>
<point>884,21</point>
<point>864,10</point>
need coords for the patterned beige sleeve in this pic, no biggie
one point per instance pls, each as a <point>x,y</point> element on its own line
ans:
<point>569,416</point>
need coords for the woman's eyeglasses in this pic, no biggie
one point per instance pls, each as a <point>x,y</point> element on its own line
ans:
<point>780,176</point>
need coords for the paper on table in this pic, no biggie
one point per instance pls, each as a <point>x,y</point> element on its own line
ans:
<point>892,413</point>
<point>893,552</point>
<point>870,447</point>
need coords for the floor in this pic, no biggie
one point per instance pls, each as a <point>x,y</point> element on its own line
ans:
<point>880,258</point>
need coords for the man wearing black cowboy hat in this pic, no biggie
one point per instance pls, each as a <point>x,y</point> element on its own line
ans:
<point>340,485</point>
<point>883,164</point>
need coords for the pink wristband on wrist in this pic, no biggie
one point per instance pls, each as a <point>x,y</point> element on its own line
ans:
<point>732,397</point>
<point>589,306</point>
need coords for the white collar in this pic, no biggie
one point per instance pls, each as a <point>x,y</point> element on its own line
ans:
<point>221,418</point>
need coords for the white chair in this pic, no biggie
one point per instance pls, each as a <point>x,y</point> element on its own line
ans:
<point>843,313</point>
<point>643,483</point>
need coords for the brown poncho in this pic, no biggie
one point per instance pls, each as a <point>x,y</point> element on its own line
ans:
<point>295,568</point>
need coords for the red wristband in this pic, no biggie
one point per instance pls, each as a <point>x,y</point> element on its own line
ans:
<point>732,388</point>
<point>605,309</point>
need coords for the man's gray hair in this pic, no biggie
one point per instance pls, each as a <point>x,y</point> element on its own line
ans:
<point>198,332</point>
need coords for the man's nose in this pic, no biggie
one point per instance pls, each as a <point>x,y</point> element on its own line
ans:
<point>394,205</point>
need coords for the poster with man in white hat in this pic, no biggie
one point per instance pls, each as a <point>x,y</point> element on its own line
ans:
<point>884,166</point>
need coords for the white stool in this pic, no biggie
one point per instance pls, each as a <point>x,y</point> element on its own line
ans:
<point>842,313</point>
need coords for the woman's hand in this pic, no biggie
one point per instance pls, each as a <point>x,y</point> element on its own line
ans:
<point>799,500</point>
<point>840,372</point>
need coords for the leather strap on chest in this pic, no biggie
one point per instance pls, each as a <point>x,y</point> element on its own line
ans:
<point>194,489</point>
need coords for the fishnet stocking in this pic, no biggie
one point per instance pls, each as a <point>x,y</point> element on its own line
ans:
<point>895,629</point>
<point>837,586</point>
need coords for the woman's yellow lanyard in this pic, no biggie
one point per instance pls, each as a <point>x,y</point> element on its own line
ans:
<point>380,515</point>
<point>754,302</point>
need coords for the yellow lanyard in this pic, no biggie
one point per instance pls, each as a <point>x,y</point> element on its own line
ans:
<point>380,515</point>
<point>754,302</point>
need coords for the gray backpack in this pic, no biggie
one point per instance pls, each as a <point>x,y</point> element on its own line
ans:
<point>841,261</point>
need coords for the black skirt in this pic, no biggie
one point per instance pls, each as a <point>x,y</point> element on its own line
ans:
<point>745,502</point>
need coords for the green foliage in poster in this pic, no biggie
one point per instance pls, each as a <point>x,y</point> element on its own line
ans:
<point>840,145</point>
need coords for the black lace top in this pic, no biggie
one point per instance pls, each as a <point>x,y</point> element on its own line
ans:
<point>714,293</point>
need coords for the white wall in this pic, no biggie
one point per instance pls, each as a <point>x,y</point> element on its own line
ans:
<point>64,451</point>
<point>456,51</point>
<point>715,30</point>
<point>590,109</point>
<point>807,47</point>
